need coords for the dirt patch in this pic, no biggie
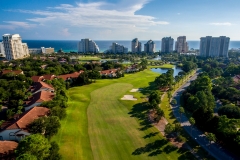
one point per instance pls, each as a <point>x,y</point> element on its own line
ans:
<point>129,98</point>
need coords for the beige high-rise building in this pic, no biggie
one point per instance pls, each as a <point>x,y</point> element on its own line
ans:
<point>87,46</point>
<point>149,47</point>
<point>14,48</point>
<point>214,46</point>
<point>136,46</point>
<point>167,45</point>
<point>2,52</point>
<point>181,46</point>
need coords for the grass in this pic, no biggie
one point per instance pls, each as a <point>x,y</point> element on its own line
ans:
<point>89,58</point>
<point>162,66</point>
<point>100,126</point>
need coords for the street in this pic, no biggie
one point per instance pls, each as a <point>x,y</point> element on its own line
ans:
<point>214,149</point>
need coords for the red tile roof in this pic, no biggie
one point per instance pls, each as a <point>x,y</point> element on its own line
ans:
<point>40,97</point>
<point>26,118</point>
<point>108,71</point>
<point>49,77</point>
<point>7,147</point>
<point>37,78</point>
<point>40,85</point>
<point>17,72</point>
<point>72,75</point>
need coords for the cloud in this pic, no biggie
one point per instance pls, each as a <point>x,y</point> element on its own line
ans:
<point>96,14</point>
<point>65,32</point>
<point>221,24</point>
<point>16,24</point>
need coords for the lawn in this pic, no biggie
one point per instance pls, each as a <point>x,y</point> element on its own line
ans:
<point>89,58</point>
<point>162,66</point>
<point>101,126</point>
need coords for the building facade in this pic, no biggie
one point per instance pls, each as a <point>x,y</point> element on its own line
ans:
<point>14,48</point>
<point>2,52</point>
<point>214,46</point>
<point>181,45</point>
<point>136,46</point>
<point>117,48</point>
<point>167,45</point>
<point>87,46</point>
<point>149,47</point>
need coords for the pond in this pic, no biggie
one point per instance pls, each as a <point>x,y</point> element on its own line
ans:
<point>157,58</point>
<point>176,70</point>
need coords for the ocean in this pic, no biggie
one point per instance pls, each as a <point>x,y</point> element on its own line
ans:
<point>71,45</point>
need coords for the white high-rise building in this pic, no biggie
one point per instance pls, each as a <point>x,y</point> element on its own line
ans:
<point>14,48</point>
<point>117,48</point>
<point>149,47</point>
<point>2,52</point>
<point>167,45</point>
<point>181,45</point>
<point>87,46</point>
<point>214,46</point>
<point>136,46</point>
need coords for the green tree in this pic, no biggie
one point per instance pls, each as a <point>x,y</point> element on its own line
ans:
<point>54,155</point>
<point>26,157</point>
<point>169,128</point>
<point>211,137</point>
<point>181,111</point>
<point>192,122</point>
<point>35,145</point>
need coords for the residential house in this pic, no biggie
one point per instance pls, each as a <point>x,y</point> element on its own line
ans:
<point>15,72</point>
<point>17,129</point>
<point>43,78</point>
<point>132,68</point>
<point>38,98</point>
<point>41,86</point>
<point>7,149</point>
<point>109,73</point>
<point>69,77</point>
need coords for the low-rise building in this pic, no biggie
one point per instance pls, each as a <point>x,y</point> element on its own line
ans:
<point>41,86</point>
<point>15,72</point>
<point>38,98</point>
<point>17,129</point>
<point>109,73</point>
<point>47,50</point>
<point>7,149</point>
<point>35,50</point>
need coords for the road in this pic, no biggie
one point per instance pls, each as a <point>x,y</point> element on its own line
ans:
<point>214,149</point>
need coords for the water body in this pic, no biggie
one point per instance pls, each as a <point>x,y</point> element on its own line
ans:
<point>176,70</point>
<point>71,45</point>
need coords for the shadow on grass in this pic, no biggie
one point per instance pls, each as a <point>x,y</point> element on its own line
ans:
<point>150,135</point>
<point>147,90</point>
<point>153,148</point>
<point>139,111</point>
<point>170,148</point>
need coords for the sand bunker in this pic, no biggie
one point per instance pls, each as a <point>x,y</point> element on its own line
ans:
<point>129,98</point>
<point>136,90</point>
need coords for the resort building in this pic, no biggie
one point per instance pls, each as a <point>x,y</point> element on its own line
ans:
<point>167,45</point>
<point>14,48</point>
<point>149,47</point>
<point>214,46</point>
<point>117,48</point>
<point>87,46</point>
<point>136,46</point>
<point>2,52</point>
<point>47,50</point>
<point>17,128</point>
<point>181,45</point>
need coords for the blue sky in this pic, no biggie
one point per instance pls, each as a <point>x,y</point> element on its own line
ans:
<point>119,19</point>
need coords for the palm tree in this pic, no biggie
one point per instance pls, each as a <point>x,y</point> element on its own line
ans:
<point>192,122</point>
